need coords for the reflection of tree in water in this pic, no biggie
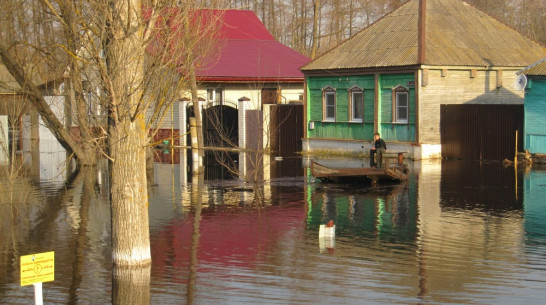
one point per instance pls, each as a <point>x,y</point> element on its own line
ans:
<point>15,194</point>
<point>131,285</point>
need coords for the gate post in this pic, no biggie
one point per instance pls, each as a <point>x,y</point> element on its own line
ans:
<point>241,109</point>
<point>182,121</point>
<point>242,105</point>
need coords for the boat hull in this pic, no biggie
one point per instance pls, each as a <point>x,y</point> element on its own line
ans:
<point>388,173</point>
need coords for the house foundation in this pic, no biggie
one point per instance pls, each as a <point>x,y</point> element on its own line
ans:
<point>412,151</point>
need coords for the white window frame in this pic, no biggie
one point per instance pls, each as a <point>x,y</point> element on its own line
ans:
<point>397,93</point>
<point>328,91</point>
<point>352,91</point>
<point>215,98</point>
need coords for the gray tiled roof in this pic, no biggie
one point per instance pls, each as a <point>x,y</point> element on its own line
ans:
<point>456,34</point>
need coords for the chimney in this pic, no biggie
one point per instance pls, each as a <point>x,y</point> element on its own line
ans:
<point>422,34</point>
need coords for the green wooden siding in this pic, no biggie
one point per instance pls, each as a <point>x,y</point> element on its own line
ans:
<point>368,106</point>
<point>535,116</point>
<point>397,132</point>
<point>350,131</point>
<point>315,108</point>
<point>386,105</point>
<point>392,131</point>
<point>342,128</point>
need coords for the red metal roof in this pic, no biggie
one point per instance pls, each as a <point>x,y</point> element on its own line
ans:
<point>248,52</point>
<point>238,24</point>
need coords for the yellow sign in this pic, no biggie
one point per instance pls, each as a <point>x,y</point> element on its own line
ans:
<point>37,268</point>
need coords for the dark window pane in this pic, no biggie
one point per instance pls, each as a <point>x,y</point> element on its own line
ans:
<point>402,113</point>
<point>330,99</point>
<point>330,105</point>
<point>402,99</point>
<point>330,112</point>
<point>402,107</point>
<point>358,105</point>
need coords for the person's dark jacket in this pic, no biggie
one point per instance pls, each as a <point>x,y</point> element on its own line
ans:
<point>380,144</point>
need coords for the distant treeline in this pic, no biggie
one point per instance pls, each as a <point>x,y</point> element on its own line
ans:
<point>293,21</point>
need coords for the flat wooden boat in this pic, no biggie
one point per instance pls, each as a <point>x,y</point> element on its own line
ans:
<point>388,172</point>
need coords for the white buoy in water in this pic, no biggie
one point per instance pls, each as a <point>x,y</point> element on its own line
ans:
<point>325,231</point>
<point>327,234</point>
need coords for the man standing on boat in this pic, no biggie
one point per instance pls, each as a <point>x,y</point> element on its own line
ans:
<point>378,147</point>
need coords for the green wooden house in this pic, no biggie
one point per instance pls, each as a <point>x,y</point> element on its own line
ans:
<point>534,108</point>
<point>392,77</point>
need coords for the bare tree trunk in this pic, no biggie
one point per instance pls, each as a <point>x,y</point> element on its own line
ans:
<point>197,111</point>
<point>82,114</point>
<point>316,10</point>
<point>129,194</point>
<point>71,33</point>
<point>127,138</point>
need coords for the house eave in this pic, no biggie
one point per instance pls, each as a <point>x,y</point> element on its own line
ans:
<point>398,69</point>
<point>252,80</point>
<point>361,71</point>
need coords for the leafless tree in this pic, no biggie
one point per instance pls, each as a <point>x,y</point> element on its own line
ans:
<point>136,57</point>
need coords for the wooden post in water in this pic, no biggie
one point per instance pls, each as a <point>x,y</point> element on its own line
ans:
<point>516,151</point>
<point>194,145</point>
<point>516,166</point>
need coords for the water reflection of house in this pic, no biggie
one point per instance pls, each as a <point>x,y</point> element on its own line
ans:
<point>469,185</point>
<point>535,108</point>
<point>470,214</point>
<point>388,212</point>
<point>22,129</point>
<point>392,76</point>
<point>241,238</point>
<point>534,206</point>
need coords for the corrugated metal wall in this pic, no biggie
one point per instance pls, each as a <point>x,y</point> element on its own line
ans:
<point>480,132</point>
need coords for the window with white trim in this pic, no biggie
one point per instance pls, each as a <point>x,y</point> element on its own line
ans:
<point>215,96</point>
<point>401,105</point>
<point>356,104</point>
<point>329,104</point>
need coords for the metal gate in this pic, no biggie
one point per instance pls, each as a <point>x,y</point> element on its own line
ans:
<point>220,126</point>
<point>286,129</point>
<point>480,132</point>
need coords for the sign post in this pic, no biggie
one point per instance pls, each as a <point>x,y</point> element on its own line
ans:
<point>36,269</point>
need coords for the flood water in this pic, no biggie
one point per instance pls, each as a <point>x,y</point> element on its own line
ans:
<point>457,232</point>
